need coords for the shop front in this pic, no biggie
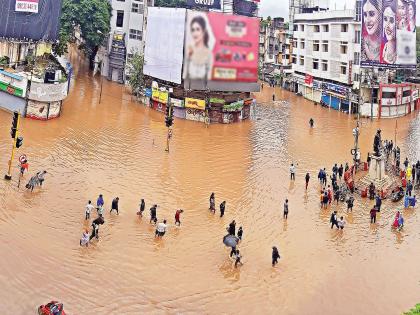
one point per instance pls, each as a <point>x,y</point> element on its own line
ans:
<point>397,100</point>
<point>45,100</point>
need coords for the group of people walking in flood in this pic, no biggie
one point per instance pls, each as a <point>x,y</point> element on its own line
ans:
<point>161,227</point>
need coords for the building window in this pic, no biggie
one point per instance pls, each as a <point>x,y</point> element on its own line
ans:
<point>344,28</point>
<point>316,28</point>
<point>120,18</point>
<point>356,58</point>
<point>357,37</point>
<point>315,64</point>
<point>294,60</point>
<point>358,10</point>
<point>302,44</point>
<point>137,8</point>
<point>302,61</point>
<point>343,68</point>
<point>325,28</point>
<point>343,48</point>
<point>295,44</point>
<point>302,28</point>
<point>356,77</point>
<point>325,46</point>
<point>324,65</point>
<point>295,28</point>
<point>316,45</point>
<point>135,34</point>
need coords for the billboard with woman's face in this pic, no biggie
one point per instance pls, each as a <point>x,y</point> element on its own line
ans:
<point>389,33</point>
<point>220,47</point>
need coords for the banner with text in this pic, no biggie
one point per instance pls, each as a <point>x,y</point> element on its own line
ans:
<point>27,6</point>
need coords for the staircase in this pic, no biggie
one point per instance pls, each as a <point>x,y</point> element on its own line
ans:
<point>117,57</point>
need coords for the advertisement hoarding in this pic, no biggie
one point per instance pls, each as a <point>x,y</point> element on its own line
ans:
<point>220,48</point>
<point>164,46</point>
<point>210,4</point>
<point>389,33</point>
<point>27,6</point>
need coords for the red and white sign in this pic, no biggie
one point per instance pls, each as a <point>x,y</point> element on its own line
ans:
<point>27,6</point>
<point>309,80</point>
<point>22,158</point>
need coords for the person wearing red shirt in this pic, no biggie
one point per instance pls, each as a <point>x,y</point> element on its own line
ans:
<point>178,216</point>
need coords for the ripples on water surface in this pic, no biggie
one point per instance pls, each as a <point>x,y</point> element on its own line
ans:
<point>116,148</point>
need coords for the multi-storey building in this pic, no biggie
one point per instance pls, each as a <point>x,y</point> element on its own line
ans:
<point>326,57</point>
<point>271,47</point>
<point>126,37</point>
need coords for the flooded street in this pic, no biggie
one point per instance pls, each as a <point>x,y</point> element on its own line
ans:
<point>117,148</point>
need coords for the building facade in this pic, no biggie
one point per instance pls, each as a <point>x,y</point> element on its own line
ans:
<point>326,57</point>
<point>126,37</point>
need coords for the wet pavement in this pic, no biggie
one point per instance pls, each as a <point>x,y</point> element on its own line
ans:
<point>117,148</point>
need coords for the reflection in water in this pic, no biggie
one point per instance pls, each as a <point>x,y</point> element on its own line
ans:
<point>117,148</point>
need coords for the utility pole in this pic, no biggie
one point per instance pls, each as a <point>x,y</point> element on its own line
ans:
<point>17,142</point>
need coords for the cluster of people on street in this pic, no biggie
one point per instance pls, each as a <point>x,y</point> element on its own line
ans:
<point>161,227</point>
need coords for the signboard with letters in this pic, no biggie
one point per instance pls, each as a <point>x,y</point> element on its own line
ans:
<point>27,6</point>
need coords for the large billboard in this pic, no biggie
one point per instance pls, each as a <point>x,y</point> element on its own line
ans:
<point>164,45</point>
<point>30,19</point>
<point>211,4</point>
<point>220,48</point>
<point>389,33</point>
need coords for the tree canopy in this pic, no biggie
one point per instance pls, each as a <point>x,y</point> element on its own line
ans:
<point>92,17</point>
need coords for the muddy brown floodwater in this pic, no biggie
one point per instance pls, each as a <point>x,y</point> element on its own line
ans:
<point>117,148</point>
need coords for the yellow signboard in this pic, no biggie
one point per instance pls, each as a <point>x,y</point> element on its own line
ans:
<point>160,96</point>
<point>195,103</point>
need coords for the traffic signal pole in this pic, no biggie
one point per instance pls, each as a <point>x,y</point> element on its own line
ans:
<point>14,134</point>
<point>169,122</point>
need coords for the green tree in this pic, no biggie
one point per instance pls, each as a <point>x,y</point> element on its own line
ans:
<point>415,310</point>
<point>92,17</point>
<point>171,3</point>
<point>135,72</point>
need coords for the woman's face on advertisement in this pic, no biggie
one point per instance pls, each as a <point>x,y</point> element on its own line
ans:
<point>371,18</point>
<point>401,9</point>
<point>411,11</point>
<point>389,23</point>
<point>197,32</point>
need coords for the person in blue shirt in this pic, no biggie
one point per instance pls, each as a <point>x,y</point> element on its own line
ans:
<point>100,205</point>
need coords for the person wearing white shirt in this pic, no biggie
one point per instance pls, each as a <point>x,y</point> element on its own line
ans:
<point>89,208</point>
<point>292,171</point>
<point>341,223</point>
<point>161,229</point>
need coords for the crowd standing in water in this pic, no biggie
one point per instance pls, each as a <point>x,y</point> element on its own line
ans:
<point>331,194</point>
